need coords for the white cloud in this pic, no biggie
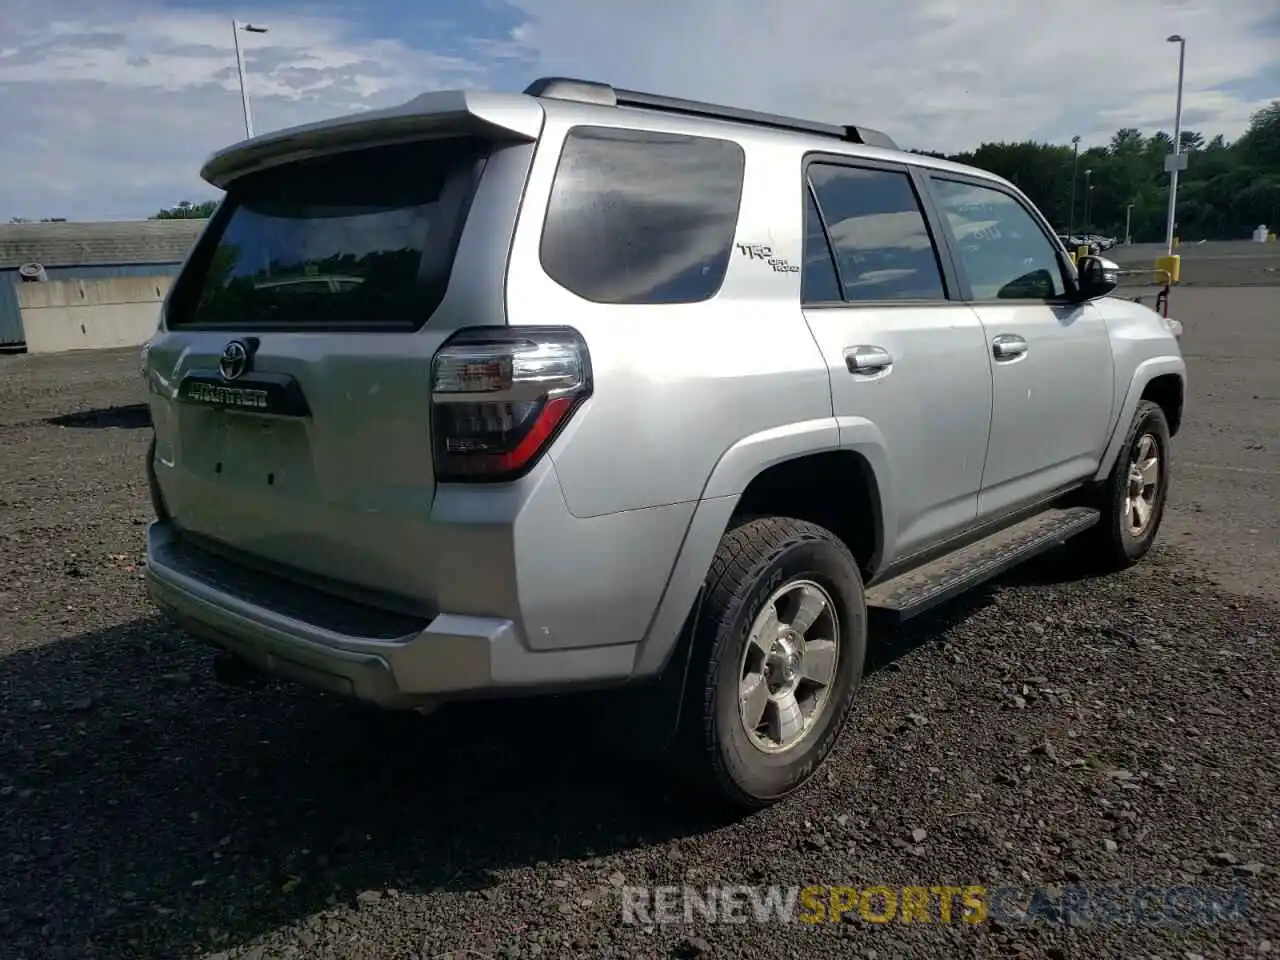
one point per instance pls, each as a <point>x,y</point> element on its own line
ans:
<point>109,107</point>
<point>934,74</point>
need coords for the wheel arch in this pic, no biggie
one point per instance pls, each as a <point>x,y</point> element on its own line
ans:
<point>836,489</point>
<point>1161,380</point>
<point>1167,391</point>
<point>775,473</point>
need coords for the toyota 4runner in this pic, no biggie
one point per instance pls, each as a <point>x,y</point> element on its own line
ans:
<point>511,394</point>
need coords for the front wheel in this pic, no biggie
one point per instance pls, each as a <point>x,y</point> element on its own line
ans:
<point>1132,499</point>
<point>780,651</point>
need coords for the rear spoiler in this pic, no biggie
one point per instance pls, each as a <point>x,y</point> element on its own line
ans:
<point>502,116</point>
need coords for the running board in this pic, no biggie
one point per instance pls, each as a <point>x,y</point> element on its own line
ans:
<point>912,593</point>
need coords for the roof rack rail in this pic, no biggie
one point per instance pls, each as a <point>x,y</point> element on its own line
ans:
<point>604,94</point>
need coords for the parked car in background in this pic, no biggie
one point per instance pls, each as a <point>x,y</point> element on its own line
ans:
<point>600,389</point>
<point>1076,241</point>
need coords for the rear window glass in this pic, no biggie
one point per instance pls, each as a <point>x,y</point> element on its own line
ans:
<point>355,240</point>
<point>642,217</point>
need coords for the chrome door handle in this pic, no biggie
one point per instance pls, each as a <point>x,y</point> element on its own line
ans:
<point>1008,347</point>
<point>866,359</point>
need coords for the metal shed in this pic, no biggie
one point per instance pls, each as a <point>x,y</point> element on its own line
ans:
<point>87,251</point>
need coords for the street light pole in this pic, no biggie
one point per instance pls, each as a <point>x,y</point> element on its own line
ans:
<point>1177,141</point>
<point>1128,236</point>
<point>1088,186</point>
<point>236,27</point>
<point>1075,162</point>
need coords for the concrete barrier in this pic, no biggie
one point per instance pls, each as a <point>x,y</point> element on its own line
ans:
<point>90,314</point>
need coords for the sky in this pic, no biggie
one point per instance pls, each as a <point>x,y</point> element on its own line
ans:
<point>109,107</point>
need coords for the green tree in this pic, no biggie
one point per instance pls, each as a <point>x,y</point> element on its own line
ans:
<point>1226,190</point>
<point>1260,144</point>
<point>1127,141</point>
<point>186,210</point>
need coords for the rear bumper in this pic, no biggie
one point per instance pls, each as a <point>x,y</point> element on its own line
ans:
<point>342,647</point>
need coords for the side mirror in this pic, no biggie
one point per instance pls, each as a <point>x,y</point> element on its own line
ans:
<point>1097,277</point>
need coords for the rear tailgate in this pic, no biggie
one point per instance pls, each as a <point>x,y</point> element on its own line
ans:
<point>290,378</point>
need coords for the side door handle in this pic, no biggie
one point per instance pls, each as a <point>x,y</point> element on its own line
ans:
<point>1007,346</point>
<point>866,359</point>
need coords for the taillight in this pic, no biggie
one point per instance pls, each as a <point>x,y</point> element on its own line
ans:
<point>500,395</point>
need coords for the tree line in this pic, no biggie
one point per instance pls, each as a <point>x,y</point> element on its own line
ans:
<point>186,210</point>
<point>1225,192</point>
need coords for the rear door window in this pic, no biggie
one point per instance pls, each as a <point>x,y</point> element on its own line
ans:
<point>358,240</point>
<point>882,245</point>
<point>642,217</point>
<point>819,283</point>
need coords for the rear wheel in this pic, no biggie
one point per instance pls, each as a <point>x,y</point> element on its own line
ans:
<point>780,650</point>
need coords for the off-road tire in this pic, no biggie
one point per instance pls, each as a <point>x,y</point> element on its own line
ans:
<point>1110,546</point>
<point>754,559</point>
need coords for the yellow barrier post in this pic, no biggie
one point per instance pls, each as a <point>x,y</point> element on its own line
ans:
<point>1171,266</point>
<point>1081,251</point>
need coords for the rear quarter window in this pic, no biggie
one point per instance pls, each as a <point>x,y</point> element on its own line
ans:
<point>358,240</point>
<point>638,217</point>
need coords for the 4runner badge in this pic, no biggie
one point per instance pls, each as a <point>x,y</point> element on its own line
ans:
<point>762,251</point>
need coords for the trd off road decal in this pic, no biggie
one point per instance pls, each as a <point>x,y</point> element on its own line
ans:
<point>762,251</point>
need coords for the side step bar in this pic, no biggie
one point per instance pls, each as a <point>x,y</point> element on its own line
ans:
<point>916,591</point>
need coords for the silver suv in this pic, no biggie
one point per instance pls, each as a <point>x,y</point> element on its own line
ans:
<point>511,394</point>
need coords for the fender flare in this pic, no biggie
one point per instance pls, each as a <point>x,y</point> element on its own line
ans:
<point>1143,374</point>
<point>733,472</point>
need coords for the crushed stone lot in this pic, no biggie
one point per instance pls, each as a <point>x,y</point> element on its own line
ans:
<point>1047,732</point>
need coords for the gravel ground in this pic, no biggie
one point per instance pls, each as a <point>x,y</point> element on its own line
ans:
<point>1044,732</point>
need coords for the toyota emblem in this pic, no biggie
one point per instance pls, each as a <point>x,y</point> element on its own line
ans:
<point>234,360</point>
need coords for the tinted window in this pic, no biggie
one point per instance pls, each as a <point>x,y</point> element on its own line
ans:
<point>818,282</point>
<point>876,226</point>
<point>357,240</point>
<point>1001,247</point>
<point>638,217</point>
